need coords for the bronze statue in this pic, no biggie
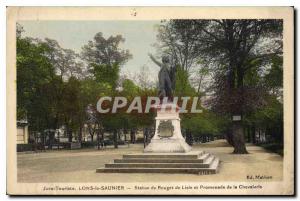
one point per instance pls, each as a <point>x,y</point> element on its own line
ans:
<point>166,77</point>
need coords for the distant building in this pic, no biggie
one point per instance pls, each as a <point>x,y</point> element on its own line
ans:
<point>22,132</point>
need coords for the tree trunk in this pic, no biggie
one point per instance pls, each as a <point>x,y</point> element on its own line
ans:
<point>80,134</point>
<point>98,141</point>
<point>249,134</point>
<point>228,136</point>
<point>115,138</point>
<point>69,134</point>
<point>119,134</point>
<point>92,137</point>
<point>132,136</point>
<point>253,140</point>
<point>238,138</point>
<point>145,136</point>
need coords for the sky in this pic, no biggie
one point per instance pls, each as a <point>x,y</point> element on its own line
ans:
<point>139,37</point>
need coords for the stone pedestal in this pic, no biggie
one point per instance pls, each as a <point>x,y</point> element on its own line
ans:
<point>167,152</point>
<point>167,137</point>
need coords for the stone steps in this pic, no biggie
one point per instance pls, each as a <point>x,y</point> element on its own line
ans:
<point>189,163</point>
<point>194,155</point>
<point>202,171</point>
<point>157,165</point>
<point>163,160</point>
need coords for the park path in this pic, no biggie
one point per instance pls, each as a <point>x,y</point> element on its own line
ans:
<point>80,165</point>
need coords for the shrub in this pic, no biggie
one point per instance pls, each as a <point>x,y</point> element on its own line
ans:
<point>25,147</point>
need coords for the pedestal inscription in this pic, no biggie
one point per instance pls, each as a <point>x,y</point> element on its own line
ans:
<point>165,129</point>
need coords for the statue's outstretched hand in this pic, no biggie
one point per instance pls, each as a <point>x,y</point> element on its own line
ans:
<point>154,60</point>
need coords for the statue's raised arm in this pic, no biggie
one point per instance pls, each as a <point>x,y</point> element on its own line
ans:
<point>154,60</point>
<point>165,83</point>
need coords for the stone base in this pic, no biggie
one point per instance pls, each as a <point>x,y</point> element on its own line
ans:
<point>167,152</point>
<point>188,163</point>
<point>168,146</point>
<point>167,137</point>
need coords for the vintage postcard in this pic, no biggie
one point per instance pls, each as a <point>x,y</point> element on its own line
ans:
<point>150,101</point>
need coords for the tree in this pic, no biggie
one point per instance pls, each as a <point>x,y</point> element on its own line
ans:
<point>142,78</point>
<point>65,61</point>
<point>176,39</point>
<point>90,91</point>
<point>204,124</point>
<point>183,86</point>
<point>35,75</point>
<point>48,89</point>
<point>103,51</point>
<point>19,30</point>
<point>71,106</point>
<point>104,58</point>
<point>92,120</point>
<point>231,47</point>
<point>52,90</point>
<point>200,80</point>
<point>108,74</point>
<point>269,118</point>
<point>69,68</point>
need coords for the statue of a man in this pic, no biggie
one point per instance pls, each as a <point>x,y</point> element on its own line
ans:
<point>166,77</point>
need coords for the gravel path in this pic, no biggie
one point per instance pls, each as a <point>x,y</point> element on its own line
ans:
<point>80,165</point>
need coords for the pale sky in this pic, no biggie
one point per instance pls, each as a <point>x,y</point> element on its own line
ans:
<point>139,37</point>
